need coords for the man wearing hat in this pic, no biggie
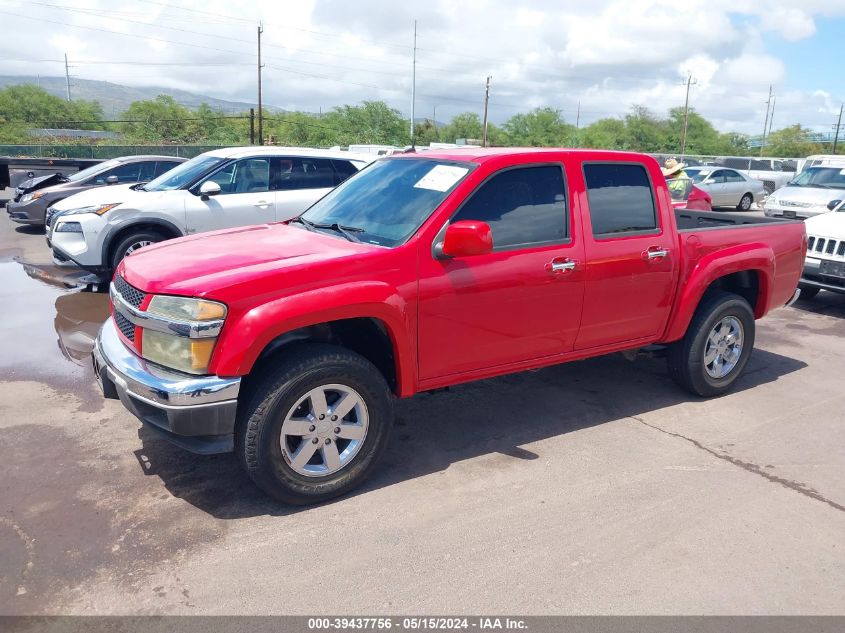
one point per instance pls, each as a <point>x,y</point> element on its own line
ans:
<point>676,178</point>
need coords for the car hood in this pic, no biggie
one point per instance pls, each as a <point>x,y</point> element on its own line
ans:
<point>829,225</point>
<point>108,194</point>
<point>33,184</point>
<point>202,264</point>
<point>804,196</point>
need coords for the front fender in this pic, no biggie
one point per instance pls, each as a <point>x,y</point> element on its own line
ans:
<point>247,334</point>
<point>755,257</point>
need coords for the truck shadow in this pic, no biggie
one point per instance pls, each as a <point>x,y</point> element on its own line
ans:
<point>434,431</point>
<point>828,303</point>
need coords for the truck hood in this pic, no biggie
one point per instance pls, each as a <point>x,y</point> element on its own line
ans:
<point>806,196</point>
<point>199,265</point>
<point>828,225</point>
<point>108,194</point>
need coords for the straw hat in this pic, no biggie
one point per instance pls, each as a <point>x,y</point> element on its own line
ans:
<point>671,166</point>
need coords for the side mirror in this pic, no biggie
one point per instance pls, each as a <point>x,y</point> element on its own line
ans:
<point>709,181</point>
<point>833,204</point>
<point>466,238</point>
<point>111,180</point>
<point>209,188</point>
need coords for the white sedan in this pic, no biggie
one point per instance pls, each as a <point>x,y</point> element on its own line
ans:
<point>728,187</point>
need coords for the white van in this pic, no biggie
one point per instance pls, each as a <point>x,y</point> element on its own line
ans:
<point>220,189</point>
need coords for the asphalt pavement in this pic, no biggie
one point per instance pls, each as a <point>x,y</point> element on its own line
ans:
<point>596,487</point>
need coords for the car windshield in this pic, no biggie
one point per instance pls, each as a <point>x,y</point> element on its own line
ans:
<point>388,201</point>
<point>697,175</point>
<point>184,174</point>
<point>93,169</point>
<point>824,177</point>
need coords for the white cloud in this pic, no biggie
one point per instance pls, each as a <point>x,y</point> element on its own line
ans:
<point>606,54</point>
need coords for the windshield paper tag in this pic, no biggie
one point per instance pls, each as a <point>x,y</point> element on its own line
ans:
<point>441,178</point>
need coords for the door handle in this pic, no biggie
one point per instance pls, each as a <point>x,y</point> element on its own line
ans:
<point>560,266</point>
<point>262,203</point>
<point>655,253</point>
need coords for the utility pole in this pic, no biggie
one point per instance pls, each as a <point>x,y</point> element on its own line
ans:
<point>486,104</point>
<point>67,78</point>
<point>838,125</point>
<point>772,115</point>
<point>578,117</point>
<point>690,82</point>
<point>252,126</point>
<point>414,84</point>
<point>766,121</point>
<point>260,110</point>
<point>434,122</point>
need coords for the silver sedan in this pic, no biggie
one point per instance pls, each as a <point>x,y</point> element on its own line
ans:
<point>728,187</point>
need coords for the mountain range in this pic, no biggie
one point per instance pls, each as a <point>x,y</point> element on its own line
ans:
<point>115,98</point>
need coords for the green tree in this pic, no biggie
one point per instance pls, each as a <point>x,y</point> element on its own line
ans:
<point>25,106</point>
<point>646,133</point>
<point>426,132</point>
<point>604,134</point>
<point>159,120</point>
<point>542,127</point>
<point>464,125</point>
<point>791,141</point>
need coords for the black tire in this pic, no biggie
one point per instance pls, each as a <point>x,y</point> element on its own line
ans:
<point>686,357</point>
<point>263,408</point>
<point>745,202</point>
<point>118,251</point>
<point>808,292</point>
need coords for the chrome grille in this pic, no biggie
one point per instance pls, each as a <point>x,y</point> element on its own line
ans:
<point>131,295</point>
<point>126,328</point>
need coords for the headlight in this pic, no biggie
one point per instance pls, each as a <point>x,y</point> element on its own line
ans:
<point>190,355</point>
<point>771,201</point>
<point>29,197</point>
<point>69,227</point>
<point>185,309</point>
<point>180,352</point>
<point>99,209</point>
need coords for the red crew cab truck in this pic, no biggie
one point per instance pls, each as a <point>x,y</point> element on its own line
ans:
<point>287,343</point>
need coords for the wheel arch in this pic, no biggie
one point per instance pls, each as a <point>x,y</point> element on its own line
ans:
<point>118,233</point>
<point>746,271</point>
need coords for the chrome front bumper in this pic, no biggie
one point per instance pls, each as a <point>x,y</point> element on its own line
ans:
<point>196,413</point>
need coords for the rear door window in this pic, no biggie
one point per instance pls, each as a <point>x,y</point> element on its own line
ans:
<point>128,172</point>
<point>343,169</point>
<point>524,207</point>
<point>165,166</point>
<point>305,173</point>
<point>621,199</point>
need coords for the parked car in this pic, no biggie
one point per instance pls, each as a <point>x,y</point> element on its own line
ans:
<point>33,201</point>
<point>728,187</point>
<point>773,173</point>
<point>824,160</point>
<point>216,190</point>
<point>824,267</point>
<point>815,190</point>
<point>287,342</point>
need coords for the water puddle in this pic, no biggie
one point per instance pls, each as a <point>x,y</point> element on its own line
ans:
<point>47,326</point>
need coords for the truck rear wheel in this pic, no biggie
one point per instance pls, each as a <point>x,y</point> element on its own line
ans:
<point>716,347</point>
<point>316,425</point>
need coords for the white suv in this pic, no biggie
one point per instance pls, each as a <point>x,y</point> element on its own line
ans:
<point>824,267</point>
<point>223,188</point>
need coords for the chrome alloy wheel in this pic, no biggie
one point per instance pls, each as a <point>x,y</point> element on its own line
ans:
<point>134,246</point>
<point>723,348</point>
<point>324,430</point>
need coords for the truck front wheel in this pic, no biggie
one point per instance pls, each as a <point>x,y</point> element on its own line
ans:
<point>716,347</point>
<point>315,426</point>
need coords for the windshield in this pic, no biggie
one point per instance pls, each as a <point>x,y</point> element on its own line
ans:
<point>698,175</point>
<point>388,201</point>
<point>93,169</point>
<point>824,177</point>
<point>184,174</point>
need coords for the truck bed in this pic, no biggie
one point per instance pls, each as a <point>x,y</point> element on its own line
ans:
<point>689,220</point>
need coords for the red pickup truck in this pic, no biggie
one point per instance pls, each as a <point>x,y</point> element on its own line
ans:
<point>287,343</point>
